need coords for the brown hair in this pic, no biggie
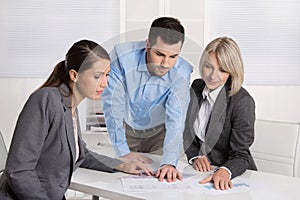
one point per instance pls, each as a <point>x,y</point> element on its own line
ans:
<point>80,57</point>
<point>169,29</point>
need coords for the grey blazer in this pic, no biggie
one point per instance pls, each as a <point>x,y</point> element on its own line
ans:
<point>230,130</point>
<point>40,162</point>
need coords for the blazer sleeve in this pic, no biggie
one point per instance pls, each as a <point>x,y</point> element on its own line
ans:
<point>98,162</point>
<point>242,135</point>
<point>26,147</point>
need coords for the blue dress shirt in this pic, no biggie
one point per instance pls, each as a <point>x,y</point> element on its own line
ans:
<point>144,101</point>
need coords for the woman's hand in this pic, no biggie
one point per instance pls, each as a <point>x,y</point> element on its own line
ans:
<point>221,179</point>
<point>135,156</point>
<point>202,164</point>
<point>135,167</point>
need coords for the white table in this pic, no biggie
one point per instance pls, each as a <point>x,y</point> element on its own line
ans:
<point>109,185</point>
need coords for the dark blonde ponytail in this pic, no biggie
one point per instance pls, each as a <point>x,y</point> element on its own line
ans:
<point>58,76</point>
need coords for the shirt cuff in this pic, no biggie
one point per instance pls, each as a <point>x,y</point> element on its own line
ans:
<point>191,161</point>
<point>227,171</point>
<point>169,159</point>
<point>122,150</point>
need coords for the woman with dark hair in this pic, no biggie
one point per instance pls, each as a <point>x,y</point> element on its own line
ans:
<point>47,146</point>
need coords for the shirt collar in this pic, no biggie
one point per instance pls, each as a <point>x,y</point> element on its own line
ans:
<point>65,93</point>
<point>142,66</point>
<point>211,95</point>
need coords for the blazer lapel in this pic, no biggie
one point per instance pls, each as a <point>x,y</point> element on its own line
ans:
<point>80,143</point>
<point>216,122</point>
<point>195,104</point>
<point>68,119</point>
<point>70,133</point>
<point>194,109</point>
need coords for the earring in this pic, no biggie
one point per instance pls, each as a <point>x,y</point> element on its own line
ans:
<point>75,81</point>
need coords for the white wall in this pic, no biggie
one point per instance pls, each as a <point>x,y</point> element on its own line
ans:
<point>279,103</point>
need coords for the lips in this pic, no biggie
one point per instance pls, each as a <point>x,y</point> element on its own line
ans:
<point>163,69</point>
<point>99,92</point>
<point>212,82</point>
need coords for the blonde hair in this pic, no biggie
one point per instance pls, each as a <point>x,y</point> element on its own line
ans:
<point>229,58</point>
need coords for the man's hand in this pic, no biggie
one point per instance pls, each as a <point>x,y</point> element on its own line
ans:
<point>221,179</point>
<point>202,164</point>
<point>169,172</point>
<point>135,167</point>
<point>135,156</point>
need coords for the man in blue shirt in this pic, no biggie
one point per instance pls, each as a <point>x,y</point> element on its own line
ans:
<point>147,96</point>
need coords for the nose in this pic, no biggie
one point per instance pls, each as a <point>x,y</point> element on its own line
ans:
<point>104,82</point>
<point>165,62</point>
<point>213,74</point>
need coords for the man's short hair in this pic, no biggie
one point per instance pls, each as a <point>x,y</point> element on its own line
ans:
<point>169,29</point>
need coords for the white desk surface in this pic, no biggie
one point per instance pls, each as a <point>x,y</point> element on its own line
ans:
<point>109,185</point>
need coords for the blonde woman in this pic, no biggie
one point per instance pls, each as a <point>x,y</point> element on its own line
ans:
<point>219,128</point>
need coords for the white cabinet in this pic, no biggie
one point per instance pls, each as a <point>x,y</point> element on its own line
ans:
<point>94,120</point>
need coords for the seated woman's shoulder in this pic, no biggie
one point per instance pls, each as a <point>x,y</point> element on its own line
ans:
<point>46,94</point>
<point>243,94</point>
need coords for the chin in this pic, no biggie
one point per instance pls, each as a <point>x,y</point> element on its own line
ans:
<point>211,87</point>
<point>161,73</point>
<point>96,97</point>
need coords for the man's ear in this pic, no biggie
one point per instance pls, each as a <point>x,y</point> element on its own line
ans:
<point>73,75</point>
<point>148,45</point>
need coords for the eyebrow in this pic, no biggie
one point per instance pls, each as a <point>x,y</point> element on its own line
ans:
<point>157,51</point>
<point>98,72</point>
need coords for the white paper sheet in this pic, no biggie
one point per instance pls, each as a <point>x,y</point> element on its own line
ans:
<point>239,185</point>
<point>190,182</point>
<point>146,183</point>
